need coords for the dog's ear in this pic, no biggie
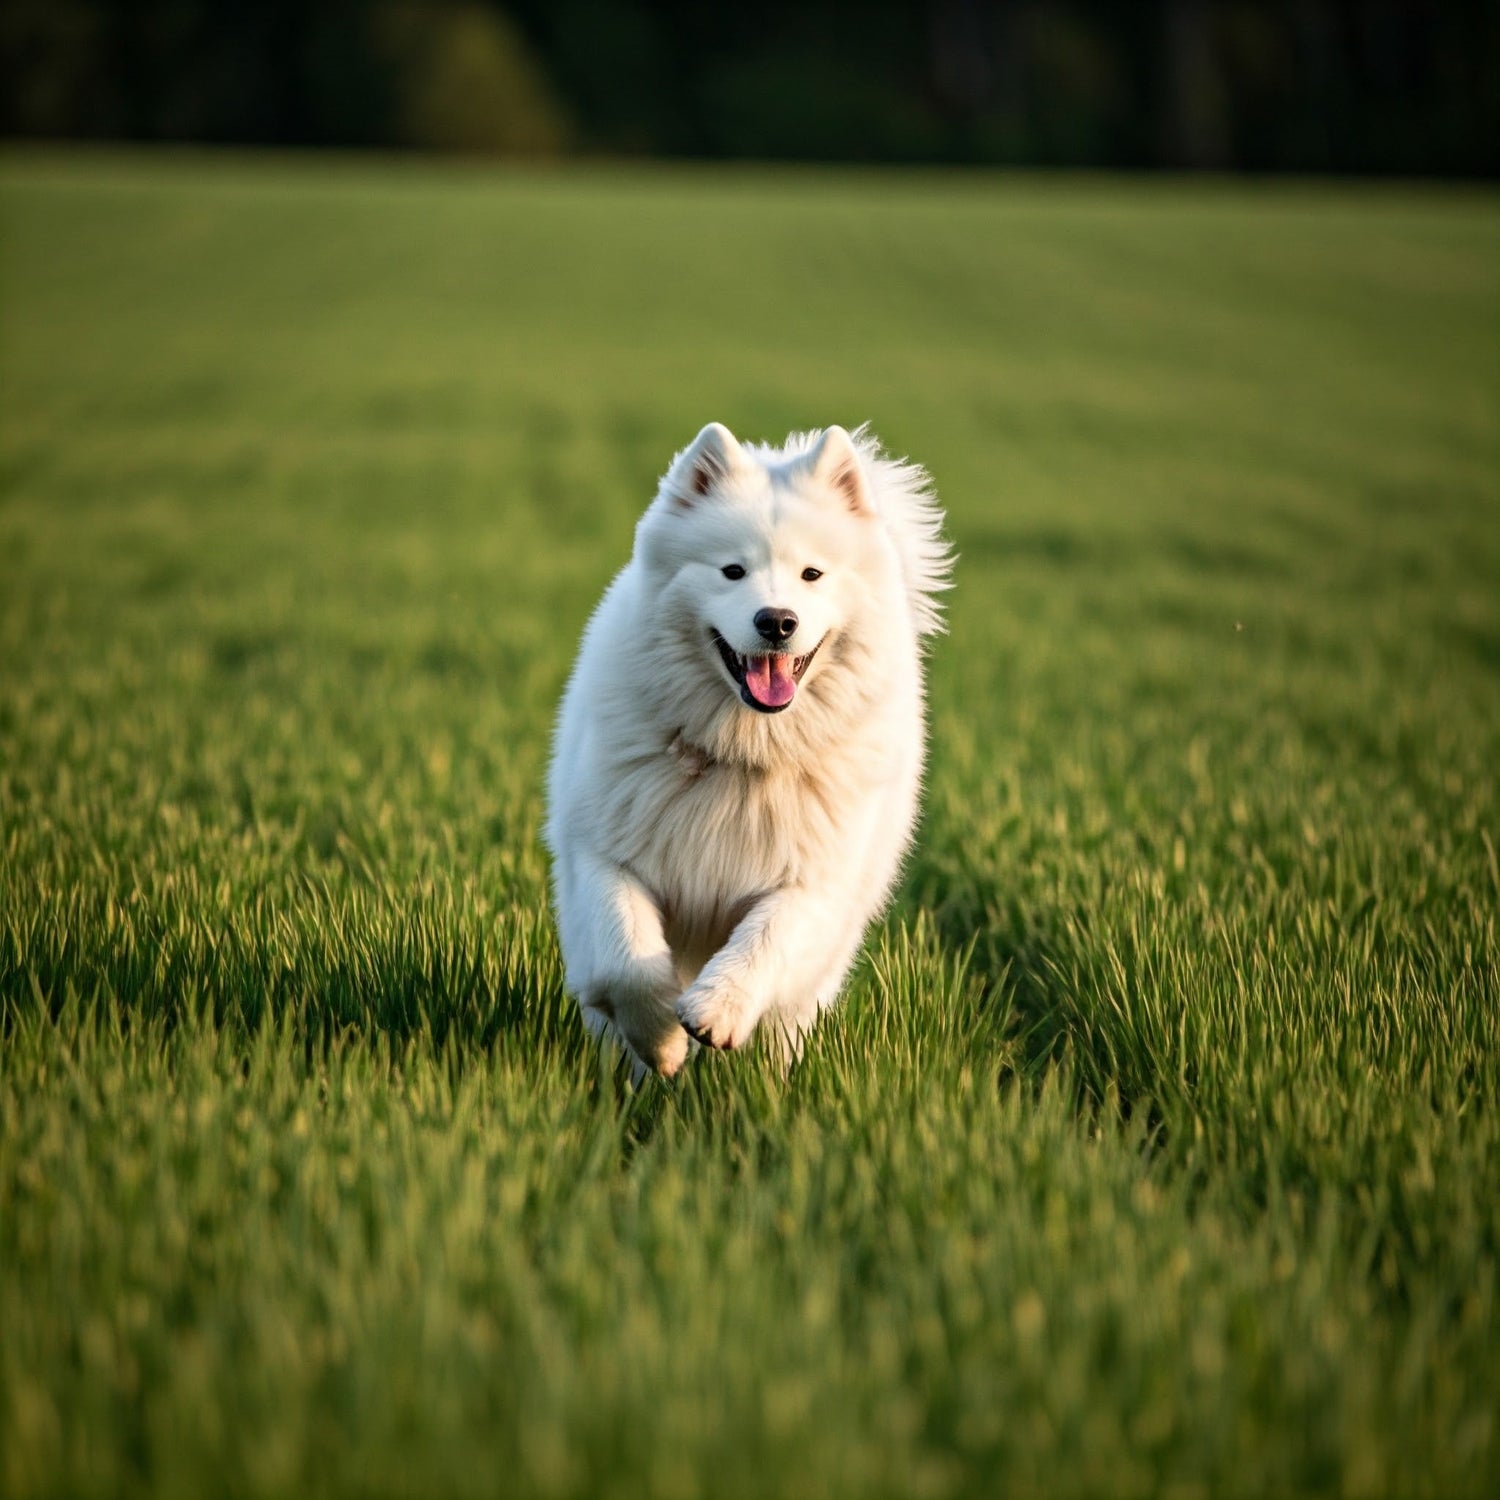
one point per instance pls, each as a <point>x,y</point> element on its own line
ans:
<point>834,461</point>
<point>706,462</point>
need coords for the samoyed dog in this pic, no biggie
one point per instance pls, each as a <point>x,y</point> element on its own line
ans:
<point>738,755</point>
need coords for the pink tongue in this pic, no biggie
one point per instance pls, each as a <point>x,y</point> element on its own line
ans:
<point>770,680</point>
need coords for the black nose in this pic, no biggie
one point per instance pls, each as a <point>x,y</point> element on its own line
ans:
<point>775,625</point>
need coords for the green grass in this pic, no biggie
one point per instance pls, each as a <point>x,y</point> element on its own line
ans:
<point>1156,1148</point>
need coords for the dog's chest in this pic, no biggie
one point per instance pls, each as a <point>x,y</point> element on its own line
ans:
<point>706,838</point>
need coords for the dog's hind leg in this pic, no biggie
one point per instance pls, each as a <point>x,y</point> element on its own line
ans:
<point>788,1022</point>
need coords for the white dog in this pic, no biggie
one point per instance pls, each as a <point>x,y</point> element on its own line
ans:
<point>739,752</point>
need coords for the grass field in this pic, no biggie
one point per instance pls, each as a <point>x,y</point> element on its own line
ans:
<point>1156,1149</point>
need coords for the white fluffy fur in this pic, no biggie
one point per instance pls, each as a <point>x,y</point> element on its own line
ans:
<point>716,866</point>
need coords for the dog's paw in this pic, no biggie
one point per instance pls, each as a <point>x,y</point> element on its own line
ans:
<point>637,1010</point>
<point>652,1048</point>
<point>671,1050</point>
<point>718,1016</point>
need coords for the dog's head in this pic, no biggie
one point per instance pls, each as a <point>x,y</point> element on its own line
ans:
<point>759,561</point>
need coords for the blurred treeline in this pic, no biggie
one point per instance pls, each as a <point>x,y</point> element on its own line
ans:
<point>1406,86</point>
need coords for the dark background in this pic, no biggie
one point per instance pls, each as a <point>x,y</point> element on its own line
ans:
<point>1345,86</point>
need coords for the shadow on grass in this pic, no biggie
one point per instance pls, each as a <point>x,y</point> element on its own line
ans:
<point>423,976</point>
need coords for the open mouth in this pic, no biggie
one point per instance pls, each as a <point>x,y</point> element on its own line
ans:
<point>767,683</point>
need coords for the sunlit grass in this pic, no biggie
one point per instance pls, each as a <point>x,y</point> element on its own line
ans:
<point>1156,1146</point>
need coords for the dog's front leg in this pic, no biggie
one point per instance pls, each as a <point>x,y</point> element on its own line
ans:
<point>781,947</point>
<point>618,962</point>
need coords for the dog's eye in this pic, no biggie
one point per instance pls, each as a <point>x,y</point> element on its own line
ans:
<point>733,571</point>
<point>811,575</point>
